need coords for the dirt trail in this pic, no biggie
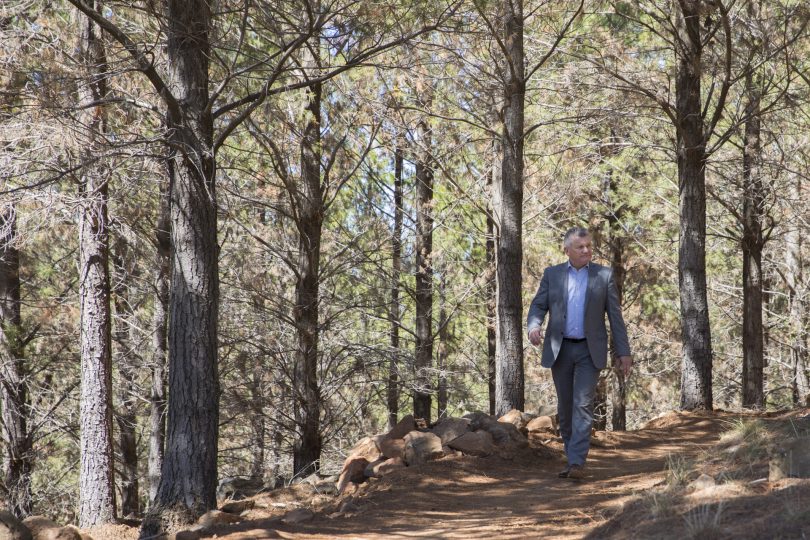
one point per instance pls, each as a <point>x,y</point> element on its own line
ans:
<point>492,498</point>
<point>626,496</point>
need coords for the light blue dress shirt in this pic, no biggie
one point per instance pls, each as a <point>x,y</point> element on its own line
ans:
<point>575,316</point>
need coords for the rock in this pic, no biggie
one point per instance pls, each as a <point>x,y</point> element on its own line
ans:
<point>702,482</point>
<point>370,470</point>
<point>403,427</point>
<point>388,466</point>
<point>365,448</point>
<point>542,423</point>
<point>237,488</point>
<point>43,528</point>
<point>505,434</point>
<point>422,447</point>
<point>448,451</point>
<point>393,448</point>
<point>186,535</point>
<point>349,489</point>
<point>12,528</point>
<point>451,428</point>
<point>790,459</point>
<point>353,471</point>
<point>517,418</point>
<point>474,443</point>
<point>237,507</point>
<point>478,420</point>
<point>217,517</point>
<point>298,516</point>
<point>349,506</point>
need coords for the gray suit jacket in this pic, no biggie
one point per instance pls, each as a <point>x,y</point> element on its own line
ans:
<point>601,298</point>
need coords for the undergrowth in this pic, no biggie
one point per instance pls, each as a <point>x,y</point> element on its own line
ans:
<point>741,457</point>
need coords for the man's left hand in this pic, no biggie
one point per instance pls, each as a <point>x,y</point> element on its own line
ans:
<point>624,364</point>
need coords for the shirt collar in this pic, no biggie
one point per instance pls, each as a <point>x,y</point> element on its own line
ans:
<point>570,267</point>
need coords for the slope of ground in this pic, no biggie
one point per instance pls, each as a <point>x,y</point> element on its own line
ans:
<point>641,485</point>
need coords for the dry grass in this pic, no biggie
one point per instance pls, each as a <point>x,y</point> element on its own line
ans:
<point>746,439</point>
<point>680,471</point>
<point>661,504</point>
<point>703,522</point>
<point>738,507</point>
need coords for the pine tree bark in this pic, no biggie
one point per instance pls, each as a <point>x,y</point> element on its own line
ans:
<point>392,391</point>
<point>189,472</point>
<point>753,242</point>
<point>258,421</point>
<point>696,367</point>
<point>307,446</point>
<point>491,286</point>
<point>126,388</point>
<point>157,394</point>
<point>423,359</point>
<point>96,488</point>
<point>797,292</point>
<point>509,369</point>
<point>14,397</point>
<point>96,494</point>
<point>616,243</point>
<point>619,398</point>
<point>188,475</point>
<point>442,349</point>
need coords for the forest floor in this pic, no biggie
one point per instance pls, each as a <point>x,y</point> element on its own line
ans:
<point>641,484</point>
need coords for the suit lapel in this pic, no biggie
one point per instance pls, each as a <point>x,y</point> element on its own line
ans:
<point>564,279</point>
<point>592,273</point>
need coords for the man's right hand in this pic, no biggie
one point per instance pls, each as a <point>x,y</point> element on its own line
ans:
<point>534,337</point>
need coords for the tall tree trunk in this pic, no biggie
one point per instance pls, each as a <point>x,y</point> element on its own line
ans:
<point>797,291</point>
<point>615,239</point>
<point>619,399</point>
<point>14,399</point>
<point>307,446</point>
<point>424,275</point>
<point>396,270</point>
<point>157,394</point>
<point>258,421</point>
<point>696,368</point>
<point>509,377</point>
<point>442,349</point>
<point>189,473</point>
<point>125,415</point>
<point>753,395</point>
<point>96,493</point>
<point>277,431</point>
<point>96,488</point>
<point>490,273</point>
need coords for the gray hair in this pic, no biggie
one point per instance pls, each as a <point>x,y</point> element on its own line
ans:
<point>580,232</point>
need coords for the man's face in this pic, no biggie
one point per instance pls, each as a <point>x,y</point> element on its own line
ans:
<point>580,251</point>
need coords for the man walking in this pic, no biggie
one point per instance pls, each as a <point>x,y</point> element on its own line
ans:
<point>577,295</point>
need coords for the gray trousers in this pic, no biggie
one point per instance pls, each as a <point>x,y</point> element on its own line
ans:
<point>575,378</point>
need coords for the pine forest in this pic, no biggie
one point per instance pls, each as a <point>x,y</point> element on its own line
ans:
<point>238,235</point>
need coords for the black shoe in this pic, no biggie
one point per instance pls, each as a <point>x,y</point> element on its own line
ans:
<point>564,473</point>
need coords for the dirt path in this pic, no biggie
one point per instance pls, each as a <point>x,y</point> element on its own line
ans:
<point>492,498</point>
<point>626,497</point>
